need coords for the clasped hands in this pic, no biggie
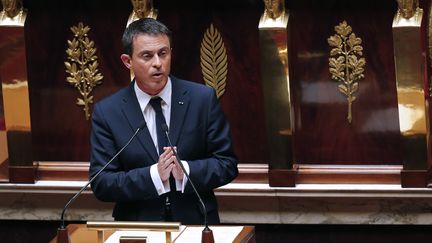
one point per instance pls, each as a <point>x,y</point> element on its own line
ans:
<point>168,164</point>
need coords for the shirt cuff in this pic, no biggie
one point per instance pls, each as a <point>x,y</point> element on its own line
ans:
<point>181,184</point>
<point>160,186</point>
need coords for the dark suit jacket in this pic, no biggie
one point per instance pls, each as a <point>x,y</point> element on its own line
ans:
<point>199,130</point>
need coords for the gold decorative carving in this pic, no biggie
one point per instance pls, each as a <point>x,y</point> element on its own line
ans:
<point>344,65</point>
<point>407,8</point>
<point>142,9</point>
<point>13,13</point>
<point>274,8</point>
<point>82,69</point>
<point>274,15</point>
<point>214,64</point>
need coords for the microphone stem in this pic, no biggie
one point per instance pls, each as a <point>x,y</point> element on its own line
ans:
<point>94,177</point>
<point>193,186</point>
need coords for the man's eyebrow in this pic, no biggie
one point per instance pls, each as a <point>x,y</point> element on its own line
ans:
<point>165,48</point>
<point>145,52</point>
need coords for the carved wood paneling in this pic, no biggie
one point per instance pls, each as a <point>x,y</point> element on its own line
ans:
<point>322,135</point>
<point>59,131</point>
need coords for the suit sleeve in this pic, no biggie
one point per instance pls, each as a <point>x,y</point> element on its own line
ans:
<point>219,165</point>
<point>114,184</point>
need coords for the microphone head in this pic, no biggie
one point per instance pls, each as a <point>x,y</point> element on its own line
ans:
<point>164,127</point>
<point>142,124</point>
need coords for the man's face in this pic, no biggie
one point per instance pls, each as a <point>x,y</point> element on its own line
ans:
<point>150,62</point>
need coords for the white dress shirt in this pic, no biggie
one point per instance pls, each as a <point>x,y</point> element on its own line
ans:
<point>149,116</point>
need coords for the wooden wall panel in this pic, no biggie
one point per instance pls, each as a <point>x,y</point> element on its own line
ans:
<point>322,132</point>
<point>59,129</point>
<point>237,23</point>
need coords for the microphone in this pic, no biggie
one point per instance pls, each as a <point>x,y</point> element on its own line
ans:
<point>207,234</point>
<point>62,234</point>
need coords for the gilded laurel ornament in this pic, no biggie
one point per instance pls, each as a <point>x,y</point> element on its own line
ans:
<point>214,64</point>
<point>83,66</point>
<point>346,64</point>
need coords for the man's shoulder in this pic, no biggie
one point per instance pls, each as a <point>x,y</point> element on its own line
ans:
<point>114,97</point>
<point>190,85</point>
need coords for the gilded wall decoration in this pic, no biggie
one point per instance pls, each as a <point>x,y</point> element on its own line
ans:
<point>83,66</point>
<point>274,15</point>
<point>214,64</point>
<point>13,13</point>
<point>346,64</point>
<point>274,8</point>
<point>142,9</point>
<point>407,8</point>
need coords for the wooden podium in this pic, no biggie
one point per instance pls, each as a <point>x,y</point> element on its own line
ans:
<point>82,233</point>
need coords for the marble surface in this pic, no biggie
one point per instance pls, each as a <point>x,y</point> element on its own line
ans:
<point>241,203</point>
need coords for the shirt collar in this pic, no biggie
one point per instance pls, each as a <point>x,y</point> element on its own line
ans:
<point>144,98</point>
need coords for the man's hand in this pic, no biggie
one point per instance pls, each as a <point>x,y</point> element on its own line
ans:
<point>176,169</point>
<point>166,164</point>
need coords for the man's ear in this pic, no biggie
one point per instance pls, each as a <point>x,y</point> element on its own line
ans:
<point>126,60</point>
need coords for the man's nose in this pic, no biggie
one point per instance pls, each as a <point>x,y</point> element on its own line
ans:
<point>157,62</point>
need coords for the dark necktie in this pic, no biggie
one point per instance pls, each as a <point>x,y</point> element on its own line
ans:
<point>162,141</point>
<point>160,120</point>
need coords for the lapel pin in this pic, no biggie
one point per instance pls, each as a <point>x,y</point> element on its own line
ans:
<point>181,102</point>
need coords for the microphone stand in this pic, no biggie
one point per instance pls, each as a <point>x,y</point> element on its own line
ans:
<point>62,232</point>
<point>207,233</point>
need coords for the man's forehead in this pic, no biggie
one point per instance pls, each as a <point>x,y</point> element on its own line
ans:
<point>152,38</point>
<point>151,43</point>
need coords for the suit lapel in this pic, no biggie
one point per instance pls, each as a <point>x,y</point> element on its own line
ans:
<point>179,106</point>
<point>132,111</point>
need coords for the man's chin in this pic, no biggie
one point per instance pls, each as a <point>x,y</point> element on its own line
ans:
<point>153,86</point>
<point>160,80</point>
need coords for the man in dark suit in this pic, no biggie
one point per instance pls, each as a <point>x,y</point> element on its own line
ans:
<point>146,181</point>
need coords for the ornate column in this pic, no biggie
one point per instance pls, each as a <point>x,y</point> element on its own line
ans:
<point>13,72</point>
<point>273,37</point>
<point>412,106</point>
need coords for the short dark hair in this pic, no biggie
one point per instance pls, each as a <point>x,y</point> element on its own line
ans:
<point>144,26</point>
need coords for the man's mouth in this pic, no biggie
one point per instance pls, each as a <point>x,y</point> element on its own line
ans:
<point>157,75</point>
